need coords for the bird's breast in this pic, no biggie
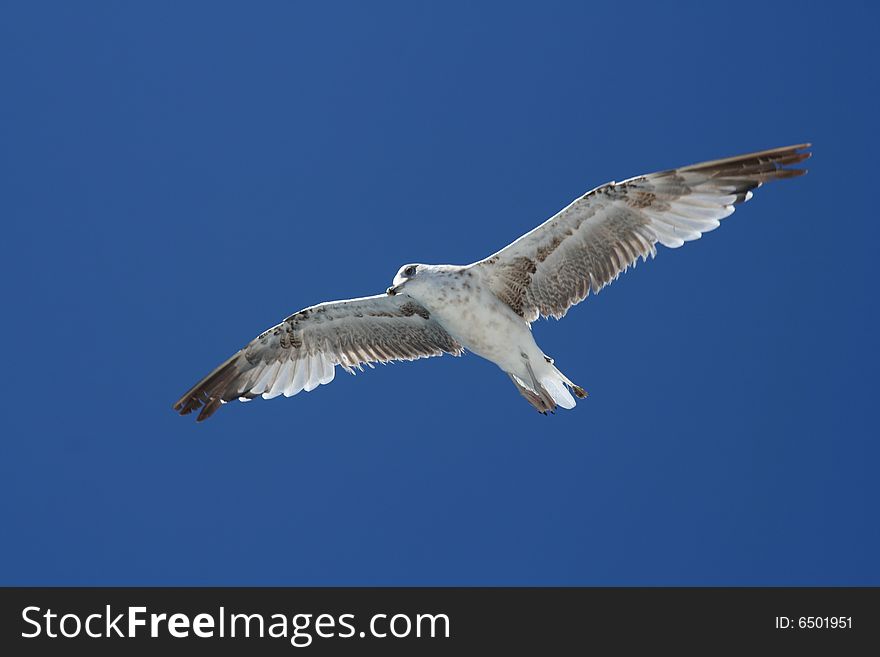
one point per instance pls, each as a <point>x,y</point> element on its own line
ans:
<point>475,317</point>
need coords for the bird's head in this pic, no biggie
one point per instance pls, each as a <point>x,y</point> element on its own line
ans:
<point>407,275</point>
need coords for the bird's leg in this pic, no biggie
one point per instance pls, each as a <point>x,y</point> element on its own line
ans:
<point>579,392</point>
<point>533,398</point>
<point>539,389</point>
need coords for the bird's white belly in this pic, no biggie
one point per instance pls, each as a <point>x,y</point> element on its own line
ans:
<point>483,324</point>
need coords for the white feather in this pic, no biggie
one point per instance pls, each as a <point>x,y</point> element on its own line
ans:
<point>329,370</point>
<point>300,377</point>
<point>281,381</point>
<point>553,384</point>
<point>266,377</point>
<point>316,371</point>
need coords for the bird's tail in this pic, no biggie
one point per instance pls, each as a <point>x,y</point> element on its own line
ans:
<point>547,388</point>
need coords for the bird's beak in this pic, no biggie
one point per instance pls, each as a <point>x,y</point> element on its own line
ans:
<point>391,291</point>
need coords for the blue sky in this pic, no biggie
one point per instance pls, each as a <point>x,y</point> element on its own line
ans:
<point>177,177</point>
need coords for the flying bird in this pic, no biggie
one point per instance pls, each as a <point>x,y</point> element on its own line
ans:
<point>488,307</point>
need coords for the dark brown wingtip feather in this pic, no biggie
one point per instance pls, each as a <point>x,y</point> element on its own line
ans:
<point>209,408</point>
<point>761,166</point>
<point>209,393</point>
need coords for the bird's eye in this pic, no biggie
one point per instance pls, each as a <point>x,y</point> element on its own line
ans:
<point>410,271</point>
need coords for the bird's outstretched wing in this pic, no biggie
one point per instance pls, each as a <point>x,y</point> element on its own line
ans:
<point>588,244</point>
<point>302,352</point>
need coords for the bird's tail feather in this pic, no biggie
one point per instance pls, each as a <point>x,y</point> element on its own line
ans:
<point>547,390</point>
<point>555,385</point>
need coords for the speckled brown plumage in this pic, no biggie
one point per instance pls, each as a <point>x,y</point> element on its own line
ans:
<point>589,243</point>
<point>349,333</point>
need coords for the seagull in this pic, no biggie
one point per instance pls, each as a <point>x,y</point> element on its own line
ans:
<point>488,307</point>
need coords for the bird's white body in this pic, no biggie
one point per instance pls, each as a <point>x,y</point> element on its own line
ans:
<point>460,299</point>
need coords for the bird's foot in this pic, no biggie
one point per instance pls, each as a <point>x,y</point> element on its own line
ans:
<point>579,392</point>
